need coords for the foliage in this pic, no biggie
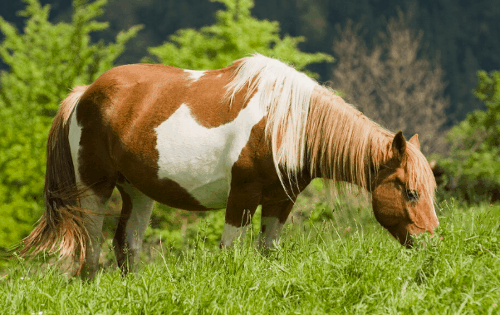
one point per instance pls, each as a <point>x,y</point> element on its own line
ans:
<point>236,34</point>
<point>45,62</point>
<point>312,271</point>
<point>475,142</point>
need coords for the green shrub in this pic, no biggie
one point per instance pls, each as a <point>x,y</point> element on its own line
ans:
<point>475,145</point>
<point>235,34</point>
<point>45,62</point>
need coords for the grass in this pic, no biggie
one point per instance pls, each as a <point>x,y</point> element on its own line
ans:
<point>336,267</point>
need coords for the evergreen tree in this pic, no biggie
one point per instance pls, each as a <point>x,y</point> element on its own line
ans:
<point>236,34</point>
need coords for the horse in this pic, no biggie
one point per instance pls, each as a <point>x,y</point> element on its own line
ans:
<point>253,133</point>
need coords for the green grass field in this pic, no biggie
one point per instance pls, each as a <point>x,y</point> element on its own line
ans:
<point>345,265</point>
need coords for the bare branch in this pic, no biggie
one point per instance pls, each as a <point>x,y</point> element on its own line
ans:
<point>391,83</point>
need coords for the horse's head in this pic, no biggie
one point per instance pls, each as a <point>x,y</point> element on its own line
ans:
<point>403,191</point>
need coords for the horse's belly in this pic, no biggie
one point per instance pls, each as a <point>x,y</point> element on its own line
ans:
<point>212,195</point>
<point>200,159</point>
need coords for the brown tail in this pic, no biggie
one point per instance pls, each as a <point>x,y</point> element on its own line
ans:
<point>61,228</point>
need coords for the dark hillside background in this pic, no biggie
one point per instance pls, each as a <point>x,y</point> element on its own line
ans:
<point>464,36</point>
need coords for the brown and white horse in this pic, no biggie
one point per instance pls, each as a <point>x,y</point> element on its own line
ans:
<point>256,132</point>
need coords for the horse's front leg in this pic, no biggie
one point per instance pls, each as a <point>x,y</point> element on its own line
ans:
<point>272,221</point>
<point>241,205</point>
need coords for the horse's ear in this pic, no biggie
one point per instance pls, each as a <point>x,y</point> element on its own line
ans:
<point>414,140</point>
<point>399,145</point>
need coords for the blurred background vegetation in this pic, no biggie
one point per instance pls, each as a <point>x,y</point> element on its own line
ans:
<point>410,65</point>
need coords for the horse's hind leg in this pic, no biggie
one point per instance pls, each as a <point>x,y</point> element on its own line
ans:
<point>134,219</point>
<point>93,201</point>
<point>95,180</point>
<point>93,198</point>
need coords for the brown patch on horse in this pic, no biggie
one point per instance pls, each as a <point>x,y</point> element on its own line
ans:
<point>255,168</point>
<point>61,228</point>
<point>134,101</point>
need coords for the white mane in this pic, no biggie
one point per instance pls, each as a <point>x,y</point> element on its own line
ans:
<point>285,97</point>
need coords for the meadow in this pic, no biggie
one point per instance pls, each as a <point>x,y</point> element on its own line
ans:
<point>339,262</point>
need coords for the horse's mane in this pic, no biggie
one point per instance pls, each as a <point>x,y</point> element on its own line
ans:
<point>305,119</point>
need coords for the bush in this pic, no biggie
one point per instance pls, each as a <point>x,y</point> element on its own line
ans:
<point>475,145</point>
<point>45,62</point>
<point>235,35</point>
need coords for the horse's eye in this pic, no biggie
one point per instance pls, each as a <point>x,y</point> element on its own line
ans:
<point>411,195</point>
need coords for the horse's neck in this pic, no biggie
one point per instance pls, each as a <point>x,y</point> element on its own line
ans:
<point>358,148</point>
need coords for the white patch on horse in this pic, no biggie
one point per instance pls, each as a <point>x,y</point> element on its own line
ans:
<point>74,136</point>
<point>270,227</point>
<point>195,74</point>
<point>200,159</point>
<point>231,233</point>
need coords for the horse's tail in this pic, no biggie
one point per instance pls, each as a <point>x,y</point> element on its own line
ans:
<point>61,228</point>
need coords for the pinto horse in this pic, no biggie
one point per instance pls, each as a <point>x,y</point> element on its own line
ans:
<point>255,132</point>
